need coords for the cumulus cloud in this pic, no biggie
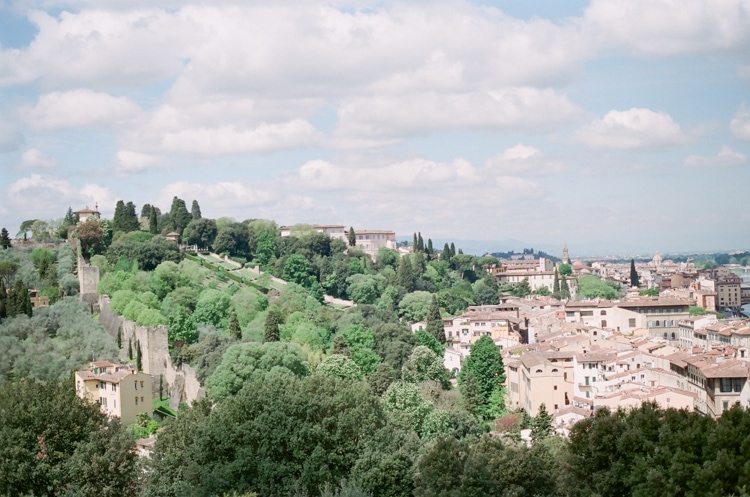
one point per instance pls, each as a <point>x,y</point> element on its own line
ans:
<point>524,160</point>
<point>740,124</point>
<point>231,195</point>
<point>725,158</point>
<point>127,161</point>
<point>665,27</point>
<point>77,109</point>
<point>527,109</point>
<point>232,140</point>
<point>634,128</point>
<point>43,197</point>
<point>34,158</point>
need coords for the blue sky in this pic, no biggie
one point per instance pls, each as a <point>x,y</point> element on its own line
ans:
<point>612,126</point>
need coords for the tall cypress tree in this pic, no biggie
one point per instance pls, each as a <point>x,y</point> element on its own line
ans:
<point>235,331</point>
<point>435,325</point>
<point>405,274</point>
<point>414,243</point>
<point>446,254</point>
<point>352,237</point>
<point>541,426</point>
<point>130,349</point>
<point>429,246</point>
<point>271,327</point>
<point>130,219</point>
<point>634,281</point>
<point>152,222</point>
<point>4,239</point>
<point>453,250</point>
<point>118,220</point>
<point>556,286</point>
<point>420,242</point>
<point>564,288</point>
<point>195,211</point>
<point>179,216</point>
<point>138,358</point>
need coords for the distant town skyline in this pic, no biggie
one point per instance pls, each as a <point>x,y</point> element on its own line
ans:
<point>613,126</point>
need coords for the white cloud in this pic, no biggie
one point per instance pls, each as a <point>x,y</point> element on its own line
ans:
<point>725,158</point>
<point>230,195</point>
<point>740,124</point>
<point>524,160</point>
<point>45,197</point>
<point>233,140</point>
<point>516,109</point>
<point>34,158</point>
<point>128,161</point>
<point>666,27</point>
<point>634,128</point>
<point>101,49</point>
<point>79,108</point>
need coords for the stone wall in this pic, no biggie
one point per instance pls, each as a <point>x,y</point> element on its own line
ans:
<point>88,279</point>
<point>180,382</point>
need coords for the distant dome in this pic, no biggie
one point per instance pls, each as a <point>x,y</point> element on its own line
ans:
<point>578,265</point>
<point>657,259</point>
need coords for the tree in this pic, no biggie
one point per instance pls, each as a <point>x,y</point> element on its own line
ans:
<point>4,239</point>
<point>271,327</point>
<point>541,426</point>
<point>234,327</point>
<point>340,366</point>
<point>634,281</point>
<point>195,211</point>
<point>352,237</point>
<point>446,254</point>
<point>429,341</point>
<point>57,443</point>
<point>590,287</point>
<point>152,221</point>
<point>435,326</point>
<point>90,234</point>
<point>249,361</point>
<point>201,232</point>
<point>485,362</point>
<point>8,270</point>
<point>425,365</point>
<point>651,292</point>
<point>179,216</point>
<point>138,357</point>
<point>298,269</point>
<point>414,243</point>
<point>420,242</point>
<point>130,349</point>
<point>564,288</point>
<point>415,306</point>
<point>565,269</point>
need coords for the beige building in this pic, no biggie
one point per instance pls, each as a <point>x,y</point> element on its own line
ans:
<point>369,241</point>
<point>120,390</point>
<point>729,291</point>
<point>499,322</point>
<point>537,378</point>
<point>84,214</point>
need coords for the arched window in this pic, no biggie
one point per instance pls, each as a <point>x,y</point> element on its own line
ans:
<point>538,370</point>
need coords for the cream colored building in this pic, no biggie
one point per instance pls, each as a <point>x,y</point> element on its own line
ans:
<point>499,322</point>
<point>120,390</point>
<point>539,377</point>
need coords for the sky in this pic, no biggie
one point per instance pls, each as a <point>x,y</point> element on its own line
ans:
<point>612,126</point>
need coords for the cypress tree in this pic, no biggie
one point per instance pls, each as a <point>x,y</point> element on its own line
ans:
<point>405,274</point>
<point>130,349</point>
<point>541,426</point>
<point>119,338</point>
<point>446,255</point>
<point>556,286</point>
<point>634,281</point>
<point>161,387</point>
<point>352,237</point>
<point>3,299</point>
<point>118,220</point>
<point>195,211</point>
<point>564,289</point>
<point>131,218</point>
<point>235,331</point>
<point>4,239</point>
<point>472,395</point>
<point>146,210</point>
<point>420,242</point>
<point>271,327</point>
<point>152,226</point>
<point>435,325</point>
<point>138,358</point>
<point>179,216</point>
<point>429,246</point>
<point>414,243</point>
<point>453,250</point>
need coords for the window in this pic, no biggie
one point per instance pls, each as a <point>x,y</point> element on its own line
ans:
<point>631,322</point>
<point>114,387</point>
<point>135,382</point>
<point>554,388</point>
<point>725,385</point>
<point>587,380</point>
<point>737,384</point>
<point>141,400</point>
<point>587,313</point>
<point>603,313</point>
<point>725,404</point>
<point>141,384</point>
<point>136,401</point>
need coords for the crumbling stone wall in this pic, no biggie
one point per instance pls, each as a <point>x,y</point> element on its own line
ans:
<point>179,382</point>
